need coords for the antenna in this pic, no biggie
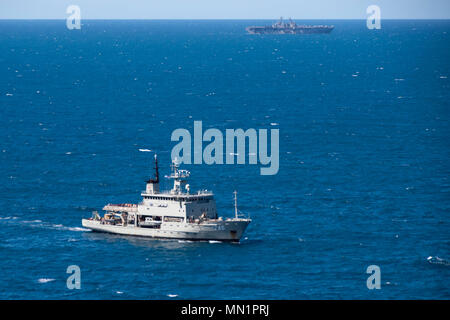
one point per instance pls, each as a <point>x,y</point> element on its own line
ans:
<point>174,165</point>
<point>235,204</point>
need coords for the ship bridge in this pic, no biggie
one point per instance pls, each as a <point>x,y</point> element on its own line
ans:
<point>178,201</point>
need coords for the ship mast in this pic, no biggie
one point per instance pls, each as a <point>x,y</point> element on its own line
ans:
<point>156,180</point>
<point>179,178</point>
<point>235,204</point>
<point>153,184</point>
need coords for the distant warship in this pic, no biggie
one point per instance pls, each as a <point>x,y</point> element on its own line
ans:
<point>291,27</point>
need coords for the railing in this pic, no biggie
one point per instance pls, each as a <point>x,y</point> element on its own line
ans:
<point>121,207</point>
<point>125,205</point>
<point>169,194</point>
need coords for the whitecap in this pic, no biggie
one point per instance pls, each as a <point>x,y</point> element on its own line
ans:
<point>438,260</point>
<point>62,227</point>
<point>45,280</point>
<point>77,229</point>
<point>214,241</point>
<point>172,295</point>
<point>145,150</point>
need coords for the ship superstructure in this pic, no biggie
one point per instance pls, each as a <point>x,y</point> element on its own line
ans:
<point>175,214</point>
<point>290,27</point>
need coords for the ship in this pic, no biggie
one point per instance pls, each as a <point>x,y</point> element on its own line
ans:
<point>290,27</point>
<point>173,214</point>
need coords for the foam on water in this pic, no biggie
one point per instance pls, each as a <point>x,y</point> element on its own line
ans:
<point>45,280</point>
<point>40,224</point>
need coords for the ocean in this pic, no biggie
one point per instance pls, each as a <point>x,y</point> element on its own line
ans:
<point>363,117</point>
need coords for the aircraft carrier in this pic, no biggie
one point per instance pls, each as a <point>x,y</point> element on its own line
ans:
<point>290,27</point>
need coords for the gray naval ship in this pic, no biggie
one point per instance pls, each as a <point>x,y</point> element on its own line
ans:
<point>290,27</point>
<point>173,214</point>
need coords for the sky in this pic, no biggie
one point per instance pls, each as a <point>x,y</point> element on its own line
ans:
<point>224,9</point>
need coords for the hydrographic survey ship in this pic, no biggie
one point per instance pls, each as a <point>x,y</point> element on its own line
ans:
<point>173,214</point>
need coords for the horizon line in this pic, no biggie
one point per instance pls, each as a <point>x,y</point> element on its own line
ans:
<point>221,19</point>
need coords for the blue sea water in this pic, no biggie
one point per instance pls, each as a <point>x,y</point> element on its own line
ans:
<point>364,157</point>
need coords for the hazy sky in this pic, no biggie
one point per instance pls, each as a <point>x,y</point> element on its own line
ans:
<point>224,9</point>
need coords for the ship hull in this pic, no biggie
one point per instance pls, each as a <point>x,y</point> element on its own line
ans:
<point>308,30</point>
<point>227,230</point>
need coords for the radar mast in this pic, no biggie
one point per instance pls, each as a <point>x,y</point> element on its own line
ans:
<point>179,177</point>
